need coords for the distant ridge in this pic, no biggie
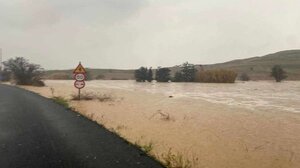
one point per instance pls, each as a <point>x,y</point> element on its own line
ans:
<point>258,68</point>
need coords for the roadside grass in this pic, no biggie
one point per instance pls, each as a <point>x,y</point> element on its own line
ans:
<point>92,96</point>
<point>61,101</point>
<point>176,160</point>
<point>169,160</point>
<point>147,148</point>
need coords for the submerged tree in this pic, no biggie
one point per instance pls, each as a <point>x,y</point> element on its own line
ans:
<point>186,74</point>
<point>141,74</point>
<point>162,74</point>
<point>23,72</point>
<point>150,75</point>
<point>278,73</point>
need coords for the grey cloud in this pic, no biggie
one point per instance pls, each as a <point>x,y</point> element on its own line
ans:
<point>131,33</point>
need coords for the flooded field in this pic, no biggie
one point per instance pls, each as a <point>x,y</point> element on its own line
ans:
<point>246,124</point>
<point>263,95</point>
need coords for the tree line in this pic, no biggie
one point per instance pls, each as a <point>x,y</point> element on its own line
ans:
<point>189,73</point>
<point>22,72</point>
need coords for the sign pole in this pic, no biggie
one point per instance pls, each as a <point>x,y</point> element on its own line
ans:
<point>79,94</point>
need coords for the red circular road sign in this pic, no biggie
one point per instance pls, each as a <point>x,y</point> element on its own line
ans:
<point>80,76</point>
<point>79,84</point>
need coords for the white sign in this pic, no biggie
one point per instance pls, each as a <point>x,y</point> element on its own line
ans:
<point>79,84</point>
<point>79,77</point>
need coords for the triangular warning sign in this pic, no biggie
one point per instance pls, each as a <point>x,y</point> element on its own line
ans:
<point>79,69</point>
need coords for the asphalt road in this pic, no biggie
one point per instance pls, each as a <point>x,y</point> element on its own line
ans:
<point>37,133</point>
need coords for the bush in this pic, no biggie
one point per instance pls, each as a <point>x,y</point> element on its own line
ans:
<point>216,76</point>
<point>23,72</point>
<point>278,73</point>
<point>163,74</point>
<point>175,160</point>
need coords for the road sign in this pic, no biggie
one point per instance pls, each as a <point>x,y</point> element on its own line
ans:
<point>79,77</point>
<point>79,69</point>
<point>79,84</point>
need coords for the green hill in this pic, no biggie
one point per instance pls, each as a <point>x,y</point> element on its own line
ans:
<point>258,68</point>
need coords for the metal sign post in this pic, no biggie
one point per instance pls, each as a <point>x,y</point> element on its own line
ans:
<point>79,76</point>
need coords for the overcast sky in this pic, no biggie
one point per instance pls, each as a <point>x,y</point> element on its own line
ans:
<point>130,33</point>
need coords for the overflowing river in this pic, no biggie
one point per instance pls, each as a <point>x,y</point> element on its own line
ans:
<point>263,95</point>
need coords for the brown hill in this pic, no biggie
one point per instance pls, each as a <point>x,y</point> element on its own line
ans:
<point>258,68</point>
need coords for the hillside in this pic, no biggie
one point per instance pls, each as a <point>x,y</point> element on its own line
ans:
<point>105,74</point>
<point>258,68</point>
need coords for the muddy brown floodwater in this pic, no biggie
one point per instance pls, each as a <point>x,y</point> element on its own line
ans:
<point>251,124</point>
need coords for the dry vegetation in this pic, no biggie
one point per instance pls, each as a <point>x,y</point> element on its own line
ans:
<point>216,76</point>
<point>176,160</point>
<point>92,96</point>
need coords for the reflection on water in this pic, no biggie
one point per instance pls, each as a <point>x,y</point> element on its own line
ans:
<point>264,95</point>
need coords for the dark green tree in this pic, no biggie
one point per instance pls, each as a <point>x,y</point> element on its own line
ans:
<point>23,72</point>
<point>278,73</point>
<point>150,75</point>
<point>162,74</point>
<point>141,74</point>
<point>186,74</point>
<point>178,77</point>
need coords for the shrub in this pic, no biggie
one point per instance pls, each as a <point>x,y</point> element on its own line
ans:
<point>23,72</point>
<point>162,74</point>
<point>172,160</point>
<point>278,73</point>
<point>147,148</point>
<point>216,76</point>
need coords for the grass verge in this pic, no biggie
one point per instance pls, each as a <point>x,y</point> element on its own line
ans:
<point>62,101</point>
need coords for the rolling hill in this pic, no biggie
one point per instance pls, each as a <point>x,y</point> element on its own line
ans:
<point>258,68</point>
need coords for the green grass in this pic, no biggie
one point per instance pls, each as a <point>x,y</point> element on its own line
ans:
<point>62,101</point>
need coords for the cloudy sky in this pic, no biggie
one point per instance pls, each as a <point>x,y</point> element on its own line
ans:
<point>130,33</point>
